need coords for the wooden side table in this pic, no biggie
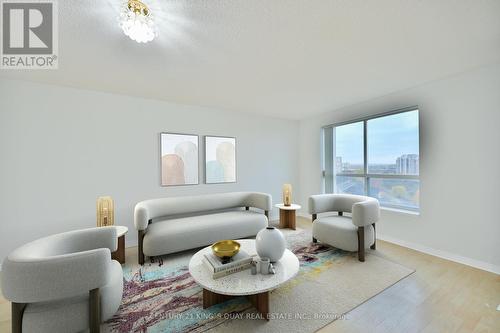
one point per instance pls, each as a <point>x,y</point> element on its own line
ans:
<point>287,215</point>
<point>119,254</point>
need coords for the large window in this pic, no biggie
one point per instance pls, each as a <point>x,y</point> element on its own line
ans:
<point>376,156</point>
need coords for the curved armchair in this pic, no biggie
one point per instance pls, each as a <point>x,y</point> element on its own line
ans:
<point>64,283</point>
<point>354,233</point>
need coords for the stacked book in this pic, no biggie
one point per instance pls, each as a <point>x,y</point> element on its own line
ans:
<point>238,263</point>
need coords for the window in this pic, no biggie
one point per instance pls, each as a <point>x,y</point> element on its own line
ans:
<point>376,156</point>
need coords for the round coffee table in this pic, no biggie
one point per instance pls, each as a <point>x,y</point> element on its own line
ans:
<point>255,287</point>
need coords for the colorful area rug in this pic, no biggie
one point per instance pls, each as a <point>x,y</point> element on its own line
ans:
<point>161,296</point>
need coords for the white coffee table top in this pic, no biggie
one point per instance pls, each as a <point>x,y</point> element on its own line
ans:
<point>291,207</point>
<point>120,230</point>
<point>244,283</point>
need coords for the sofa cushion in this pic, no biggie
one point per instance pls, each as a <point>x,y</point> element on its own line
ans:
<point>340,232</point>
<point>174,235</point>
<point>72,314</point>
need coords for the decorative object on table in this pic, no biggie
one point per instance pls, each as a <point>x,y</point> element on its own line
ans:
<point>179,159</point>
<point>219,268</point>
<point>264,265</point>
<point>220,159</point>
<point>270,243</point>
<point>137,22</point>
<point>287,194</point>
<point>119,254</point>
<point>287,215</point>
<point>253,267</point>
<point>225,249</point>
<point>105,211</point>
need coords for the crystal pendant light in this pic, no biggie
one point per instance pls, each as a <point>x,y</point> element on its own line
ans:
<point>137,22</point>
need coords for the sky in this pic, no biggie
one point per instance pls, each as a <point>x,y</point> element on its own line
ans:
<point>388,138</point>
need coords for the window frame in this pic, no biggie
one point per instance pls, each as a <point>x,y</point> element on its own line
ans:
<point>329,168</point>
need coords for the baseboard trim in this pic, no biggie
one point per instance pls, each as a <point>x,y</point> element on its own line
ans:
<point>443,254</point>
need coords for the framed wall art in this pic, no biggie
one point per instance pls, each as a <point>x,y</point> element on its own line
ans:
<point>179,159</point>
<point>220,159</point>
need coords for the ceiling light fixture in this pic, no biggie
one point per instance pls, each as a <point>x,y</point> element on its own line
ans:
<point>137,22</point>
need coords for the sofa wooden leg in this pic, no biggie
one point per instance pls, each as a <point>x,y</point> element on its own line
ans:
<point>140,253</point>
<point>361,244</point>
<point>17,317</point>
<point>374,245</point>
<point>95,311</point>
<point>247,208</point>
<point>315,240</point>
<point>314,217</point>
<point>266,212</point>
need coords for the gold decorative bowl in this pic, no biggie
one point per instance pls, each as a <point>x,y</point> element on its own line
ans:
<point>226,248</point>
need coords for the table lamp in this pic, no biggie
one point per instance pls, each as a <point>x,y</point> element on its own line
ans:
<point>105,212</point>
<point>287,194</point>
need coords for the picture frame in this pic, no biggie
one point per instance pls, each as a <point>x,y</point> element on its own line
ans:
<point>179,159</point>
<point>220,159</point>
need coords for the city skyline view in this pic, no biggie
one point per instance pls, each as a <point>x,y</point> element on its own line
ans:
<point>387,139</point>
<point>392,148</point>
<point>407,164</point>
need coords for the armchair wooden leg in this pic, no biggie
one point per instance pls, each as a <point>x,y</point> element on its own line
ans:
<point>374,245</point>
<point>361,244</point>
<point>313,218</point>
<point>95,311</point>
<point>17,317</point>
<point>140,253</point>
<point>266,212</point>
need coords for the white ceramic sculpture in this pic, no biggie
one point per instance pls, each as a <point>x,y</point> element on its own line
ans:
<point>270,243</point>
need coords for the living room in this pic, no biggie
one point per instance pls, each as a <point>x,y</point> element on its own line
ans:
<point>335,160</point>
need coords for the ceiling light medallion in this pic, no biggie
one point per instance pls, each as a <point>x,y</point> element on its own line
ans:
<point>137,22</point>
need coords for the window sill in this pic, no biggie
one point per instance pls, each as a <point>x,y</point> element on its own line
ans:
<point>403,211</point>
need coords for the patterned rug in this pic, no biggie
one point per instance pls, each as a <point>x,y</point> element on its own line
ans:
<point>161,296</point>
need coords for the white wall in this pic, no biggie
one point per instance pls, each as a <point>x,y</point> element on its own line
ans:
<point>61,148</point>
<point>459,165</point>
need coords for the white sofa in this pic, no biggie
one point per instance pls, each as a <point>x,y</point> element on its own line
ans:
<point>349,233</point>
<point>64,283</point>
<point>176,224</point>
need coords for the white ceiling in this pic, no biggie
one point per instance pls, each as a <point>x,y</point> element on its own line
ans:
<point>283,58</point>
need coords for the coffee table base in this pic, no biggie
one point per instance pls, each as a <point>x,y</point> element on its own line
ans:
<point>259,301</point>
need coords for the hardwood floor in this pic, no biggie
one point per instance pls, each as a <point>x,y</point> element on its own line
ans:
<point>441,296</point>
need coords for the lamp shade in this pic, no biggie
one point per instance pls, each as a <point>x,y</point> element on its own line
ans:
<point>105,211</point>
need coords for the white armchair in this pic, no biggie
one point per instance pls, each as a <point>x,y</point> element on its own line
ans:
<point>64,283</point>
<point>354,233</point>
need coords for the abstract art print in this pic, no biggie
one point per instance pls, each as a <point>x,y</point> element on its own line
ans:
<point>220,159</point>
<point>179,159</point>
